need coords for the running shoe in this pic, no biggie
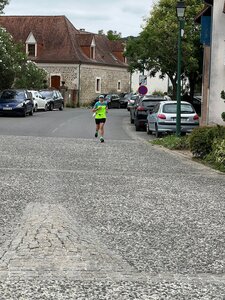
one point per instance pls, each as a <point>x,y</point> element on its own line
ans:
<point>101,139</point>
<point>96,134</point>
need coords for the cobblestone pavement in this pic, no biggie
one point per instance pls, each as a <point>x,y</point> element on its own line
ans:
<point>120,220</point>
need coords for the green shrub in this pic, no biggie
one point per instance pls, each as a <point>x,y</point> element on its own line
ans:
<point>202,138</point>
<point>173,142</point>
<point>219,151</point>
<point>223,116</point>
<point>216,158</point>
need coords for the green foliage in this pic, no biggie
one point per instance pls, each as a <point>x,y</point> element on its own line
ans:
<point>158,93</point>
<point>202,138</point>
<point>223,116</point>
<point>156,48</point>
<point>173,142</point>
<point>222,94</point>
<point>216,157</point>
<point>11,59</point>
<point>3,3</point>
<point>113,35</point>
<point>30,77</point>
<point>14,69</point>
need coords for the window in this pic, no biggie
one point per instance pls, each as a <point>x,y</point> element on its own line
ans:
<point>93,52</point>
<point>98,85</point>
<point>31,49</point>
<point>31,45</point>
<point>119,85</point>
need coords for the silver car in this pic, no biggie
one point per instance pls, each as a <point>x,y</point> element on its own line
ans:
<point>163,118</point>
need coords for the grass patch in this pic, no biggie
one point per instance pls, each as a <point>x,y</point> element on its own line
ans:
<point>173,142</point>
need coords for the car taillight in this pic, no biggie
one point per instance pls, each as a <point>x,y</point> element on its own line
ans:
<point>140,108</point>
<point>161,116</point>
<point>196,117</point>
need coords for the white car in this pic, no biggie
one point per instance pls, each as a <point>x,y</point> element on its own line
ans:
<point>39,102</point>
<point>162,119</point>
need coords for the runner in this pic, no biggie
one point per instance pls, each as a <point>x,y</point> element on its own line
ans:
<point>100,109</point>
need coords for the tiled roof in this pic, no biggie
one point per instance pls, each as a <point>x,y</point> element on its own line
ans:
<point>59,40</point>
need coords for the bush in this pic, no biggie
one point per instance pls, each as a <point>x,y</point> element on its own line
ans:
<point>202,138</point>
<point>217,157</point>
<point>173,142</point>
<point>223,116</point>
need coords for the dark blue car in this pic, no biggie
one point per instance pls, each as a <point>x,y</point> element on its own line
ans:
<point>16,101</point>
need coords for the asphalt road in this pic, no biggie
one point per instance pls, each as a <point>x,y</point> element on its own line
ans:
<point>121,220</point>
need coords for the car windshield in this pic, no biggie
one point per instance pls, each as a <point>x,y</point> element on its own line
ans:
<point>9,96</point>
<point>172,108</point>
<point>46,94</point>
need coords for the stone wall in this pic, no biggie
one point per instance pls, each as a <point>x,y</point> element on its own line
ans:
<point>109,77</point>
<point>80,81</point>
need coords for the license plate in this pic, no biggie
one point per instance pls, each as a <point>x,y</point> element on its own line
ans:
<point>7,108</point>
<point>182,119</point>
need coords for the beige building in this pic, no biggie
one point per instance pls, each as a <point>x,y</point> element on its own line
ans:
<point>212,20</point>
<point>87,64</point>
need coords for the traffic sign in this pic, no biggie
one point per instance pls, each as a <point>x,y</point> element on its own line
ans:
<point>143,79</point>
<point>142,90</point>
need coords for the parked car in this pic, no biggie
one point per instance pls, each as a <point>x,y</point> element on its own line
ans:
<point>145,105</point>
<point>196,101</point>
<point>131,100</point>
<point>39,102</point>
<point>54,98</point>
<point>16,101</point>
<point>163,118</point>
<point>124,97</point>
<point>133,107</point>
<point>113,100</point>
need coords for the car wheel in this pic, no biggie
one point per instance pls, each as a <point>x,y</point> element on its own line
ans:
<point>35,108</point>
<point>157,133</point>
<point>46,107</point>
<point>51,106</point>
<point>147,129</point>
<point>31,112</point>
<point>61,107</point>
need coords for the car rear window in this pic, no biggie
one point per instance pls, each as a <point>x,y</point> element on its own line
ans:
<point>151,102</point>
<point>46,93</point>
<point>172,108</point>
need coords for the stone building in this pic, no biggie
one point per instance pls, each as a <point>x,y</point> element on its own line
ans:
<point>82,63</point>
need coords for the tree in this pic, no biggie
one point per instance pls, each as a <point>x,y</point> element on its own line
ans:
<point>158,43</point>
<point>111,35</point>
<point>30,77</point>
<point>3,3</point>
<point>11,59</point>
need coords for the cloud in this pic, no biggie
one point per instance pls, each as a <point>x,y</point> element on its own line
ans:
<point>125,16</point>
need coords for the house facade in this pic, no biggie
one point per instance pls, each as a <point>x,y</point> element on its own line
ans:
<point>212,20</point>
<point>153,83</point>
<point>82,63</point>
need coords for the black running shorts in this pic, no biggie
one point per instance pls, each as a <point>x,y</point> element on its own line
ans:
<point>99,121</point>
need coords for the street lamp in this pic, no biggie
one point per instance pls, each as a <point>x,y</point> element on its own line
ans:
<point>180,15</point>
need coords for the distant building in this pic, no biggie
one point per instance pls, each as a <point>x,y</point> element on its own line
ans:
<point>86,63</point>
<point>153,83</point>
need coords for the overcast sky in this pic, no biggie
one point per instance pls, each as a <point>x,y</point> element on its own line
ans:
<point>125,16</point>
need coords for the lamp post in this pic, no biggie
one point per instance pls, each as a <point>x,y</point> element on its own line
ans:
<point>180,15</point>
